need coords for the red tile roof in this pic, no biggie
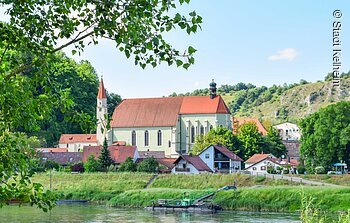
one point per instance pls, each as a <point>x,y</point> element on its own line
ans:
<point>149,112</point>
<point>196,161</point>
<point>257,158</point>
<point>52,150</point>
<point>74,138</point>
<point>168,162</point>
<point>203,105</point>
<point>154,154</point>
<point>118,153</point>
<point>228,153</point>
<point>101,91</point>
<point>63,157</point>
<point>238,121</point>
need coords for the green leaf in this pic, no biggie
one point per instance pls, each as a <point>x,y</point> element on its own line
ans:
<point>179,63</point>
<point>191,50</point>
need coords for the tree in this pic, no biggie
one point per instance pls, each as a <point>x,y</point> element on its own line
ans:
<point>325,138</point>
<point>128,166</point>
<point>274,143</point>
<point>36,28</point>
<point>112,101</point>
<point>251,140</point>
<point>91,165</point>
<point>16,168</point>
<point>105,159</point>
<point>149,165</point>
<point>219,135</point>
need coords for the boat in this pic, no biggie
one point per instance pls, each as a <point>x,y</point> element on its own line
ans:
<point>186,204</point>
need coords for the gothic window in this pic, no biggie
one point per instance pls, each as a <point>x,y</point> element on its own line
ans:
<point>202,130</point>
<point>146,138</point>
<point>169,143</point>
<point>159,138</point>
<point>192,134</point>
<point>133,138</point>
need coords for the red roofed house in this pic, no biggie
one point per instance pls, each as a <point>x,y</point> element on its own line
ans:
<point>188,164</point>
<point>220,159</point>
<point>76,142</point>
<point>259,163</point>
<point>237,122</point>
<point>168,124</point>
<point>118,153</point>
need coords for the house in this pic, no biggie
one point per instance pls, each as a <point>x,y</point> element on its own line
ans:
<point>238,121</point>
<point>288,131</point>
<point>219,159</point>
<point>166,164</point>
<point>188,164</point>
<point>118,153</point>
<point>168,124</point>
<point>259,163</point>
<point>63,158</point>
<point>76,142</point>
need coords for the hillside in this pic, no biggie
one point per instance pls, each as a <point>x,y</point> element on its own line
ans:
<point>281,103</point>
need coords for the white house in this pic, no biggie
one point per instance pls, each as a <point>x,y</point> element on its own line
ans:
<point>168,124</point>
<point>220,159</point>
<point>76,142</point>
<point>259,163</point>
<point>188,164</point>
<point>288,131</point>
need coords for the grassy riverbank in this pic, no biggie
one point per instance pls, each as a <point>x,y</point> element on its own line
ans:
<point>253,194</point>
<point>343,180</point>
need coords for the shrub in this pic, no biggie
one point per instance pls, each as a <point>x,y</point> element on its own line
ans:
<point>259,179</point>
<point>91,164</point>
<point>128,165</point>
<point>271,170</point>
<point>320,170</point>
<point>77,167</point>
<point>149,165</point>
<point>301,169</point>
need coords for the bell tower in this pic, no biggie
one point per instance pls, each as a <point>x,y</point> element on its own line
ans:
<point>101,114</point>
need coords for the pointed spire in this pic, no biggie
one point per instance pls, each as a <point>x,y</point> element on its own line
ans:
<point>101,91</point>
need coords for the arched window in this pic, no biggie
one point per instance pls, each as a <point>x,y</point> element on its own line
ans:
<point>159,138</point>
<point>146,138</point>
<point>202,130</point>
<point>133,138</point>
<point>192,134</point>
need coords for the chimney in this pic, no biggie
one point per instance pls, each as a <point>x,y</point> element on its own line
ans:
<point>212,89</point>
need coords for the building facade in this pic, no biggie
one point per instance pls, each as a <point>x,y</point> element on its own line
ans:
<point>288,131</point>
<point>168,124</point>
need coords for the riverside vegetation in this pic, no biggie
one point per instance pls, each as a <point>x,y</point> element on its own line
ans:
<point>253,194</point>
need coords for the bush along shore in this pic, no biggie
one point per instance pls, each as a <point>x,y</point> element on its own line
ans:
<point>253,194</point>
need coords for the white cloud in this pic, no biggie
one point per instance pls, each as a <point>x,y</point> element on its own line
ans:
<point>286,54</point>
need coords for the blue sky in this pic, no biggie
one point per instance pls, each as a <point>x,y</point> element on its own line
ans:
<point>260,42</point>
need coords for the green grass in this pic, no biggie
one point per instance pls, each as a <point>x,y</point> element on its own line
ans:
<point>284,198</point>
<point>333,179</point>
<point>213,181</point>
<point>128,190</point>
<point>92,186</point>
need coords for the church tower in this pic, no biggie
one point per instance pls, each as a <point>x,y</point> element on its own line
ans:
<point>101,114</point>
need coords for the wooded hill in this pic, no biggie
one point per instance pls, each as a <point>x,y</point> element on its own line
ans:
<point>277,104</point>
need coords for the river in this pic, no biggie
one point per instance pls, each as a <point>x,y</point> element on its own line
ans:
<point>97,213</point>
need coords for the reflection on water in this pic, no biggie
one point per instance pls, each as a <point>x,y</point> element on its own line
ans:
<point>93,213</point>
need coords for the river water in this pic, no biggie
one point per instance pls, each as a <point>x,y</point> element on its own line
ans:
<point>96,213</point>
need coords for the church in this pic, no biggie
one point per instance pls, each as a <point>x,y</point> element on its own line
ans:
<point>168,124</point>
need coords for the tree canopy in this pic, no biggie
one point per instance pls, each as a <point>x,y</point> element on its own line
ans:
<point>325,138</point>
<point>219,135</point>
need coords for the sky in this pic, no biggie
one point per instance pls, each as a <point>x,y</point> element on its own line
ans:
<point>252,41</point>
